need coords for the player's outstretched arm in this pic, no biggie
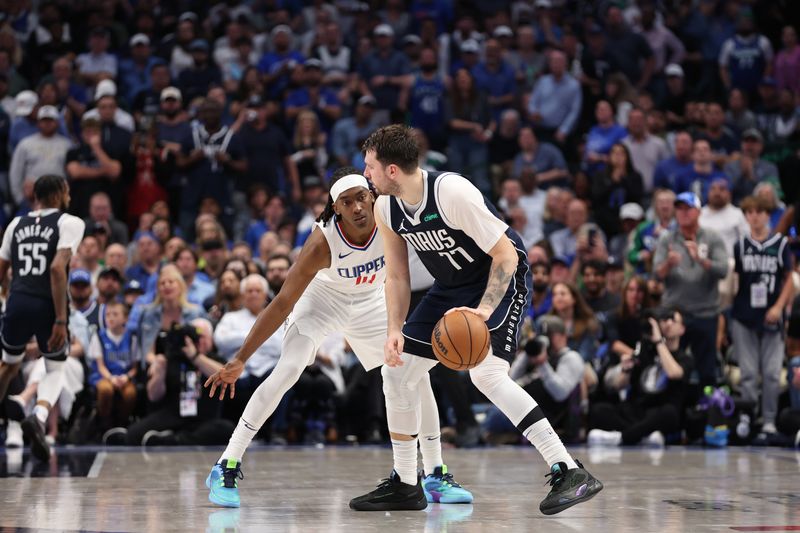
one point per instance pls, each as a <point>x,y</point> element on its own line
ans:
<point>398,289</point>
<point>314,256</point>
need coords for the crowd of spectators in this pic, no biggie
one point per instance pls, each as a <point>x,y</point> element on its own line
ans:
<point>635,145</point>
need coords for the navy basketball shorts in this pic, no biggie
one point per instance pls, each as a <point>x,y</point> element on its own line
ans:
<point>503,324</point>
<point>28,316</point>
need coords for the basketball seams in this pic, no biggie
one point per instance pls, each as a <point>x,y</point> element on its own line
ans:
<point>469,336</point>
<point>453,344</point>
<point>439,355</point>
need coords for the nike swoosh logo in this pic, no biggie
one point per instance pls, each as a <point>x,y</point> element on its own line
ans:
<point>342,256</point>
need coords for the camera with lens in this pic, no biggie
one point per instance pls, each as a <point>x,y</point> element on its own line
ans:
<point>537,345</point>
<point>173,340</point>
<point>658,314</point>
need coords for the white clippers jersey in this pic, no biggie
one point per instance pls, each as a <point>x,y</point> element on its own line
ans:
<point>354,269</point>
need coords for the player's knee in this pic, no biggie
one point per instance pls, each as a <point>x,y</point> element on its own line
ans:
<point>104,389</point>
<point>490,374</point>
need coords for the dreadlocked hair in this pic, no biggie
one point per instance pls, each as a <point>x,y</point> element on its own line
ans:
<point>328,213</point>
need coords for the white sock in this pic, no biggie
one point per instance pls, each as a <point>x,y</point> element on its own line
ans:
<point>239,441</point>
<point>405,460</point>
<point>542,436</point>
<point>41,413</point>
<point>430,438</point>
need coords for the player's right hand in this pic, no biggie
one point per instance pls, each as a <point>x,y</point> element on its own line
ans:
<point>58,336</point>
<point>224,377</point>
<point>393,348</point>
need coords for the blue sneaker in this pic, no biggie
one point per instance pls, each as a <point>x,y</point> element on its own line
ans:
<point>223,483</point>
<point>716,436</point>
<point>440,487</point>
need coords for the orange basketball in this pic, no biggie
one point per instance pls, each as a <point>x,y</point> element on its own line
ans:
<point>460,340</point>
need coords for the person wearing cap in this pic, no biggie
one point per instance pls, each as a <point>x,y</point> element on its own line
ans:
<point>109,113</point>
<point>24,122</point>
<point>172,124</point>
<point>550,371</point>
<point>745,57</point>
<point>109,286</point>
<point>147,101</point>
<point>631,215</point>
<point>277,66</point>
<point>313,95</point>
<point>195,80</point>
<point>80,296</point>
<point>469,58</point>
<point>97,61</point>
<point>134,71</point>
<point>349,132</point>
<point>385,72</point>
<point>750,169</point>
<point>39,154</point>
<point>692,260</point>
<point>496,78</point>
<point>131,292</point>
<point>555,105</point>
<point>673,101</point>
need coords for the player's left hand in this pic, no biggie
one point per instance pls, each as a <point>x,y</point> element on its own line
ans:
<point>773,315</point>
<point>58,337</point>
<point>225,377</point>
<point>482,312</point>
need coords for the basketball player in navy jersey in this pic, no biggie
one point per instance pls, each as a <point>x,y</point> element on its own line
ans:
<point>764,266</point>
<point>38,247</point>
<point>336,284</point>
<point>480,266</point>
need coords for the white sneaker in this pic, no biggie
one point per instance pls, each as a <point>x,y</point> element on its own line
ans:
<point>598,437</point>
<point>654,440</point>
<point>769,427</point>
<point>13,434</point>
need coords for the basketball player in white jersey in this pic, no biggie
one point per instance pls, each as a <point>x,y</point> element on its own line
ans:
<point>335,285</point>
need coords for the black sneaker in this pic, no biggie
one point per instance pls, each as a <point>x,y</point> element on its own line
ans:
<point>392,495</point>
<point>34,433</point>
<point>570,487</point>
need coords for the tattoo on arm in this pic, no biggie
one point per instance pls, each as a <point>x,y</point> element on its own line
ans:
<point>499,279</point>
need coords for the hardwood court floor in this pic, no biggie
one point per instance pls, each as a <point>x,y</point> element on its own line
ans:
<point>307,489</point>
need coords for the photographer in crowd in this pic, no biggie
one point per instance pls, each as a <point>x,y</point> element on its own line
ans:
<point>550,371</point>
<point>652,380</point>
<point>179,411</point>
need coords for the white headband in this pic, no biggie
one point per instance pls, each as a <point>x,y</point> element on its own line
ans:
<point>348,182</point>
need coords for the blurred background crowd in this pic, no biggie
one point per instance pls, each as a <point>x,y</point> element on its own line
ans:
<point>635,145</point>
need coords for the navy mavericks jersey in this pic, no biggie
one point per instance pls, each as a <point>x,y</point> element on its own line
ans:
<point>33,247</point>
<point>762,267</point>
<point>450,255</point>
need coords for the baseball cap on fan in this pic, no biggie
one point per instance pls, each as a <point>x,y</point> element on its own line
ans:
<point>688,198</point>
<point>384,30</point>
<point>24,103</point>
